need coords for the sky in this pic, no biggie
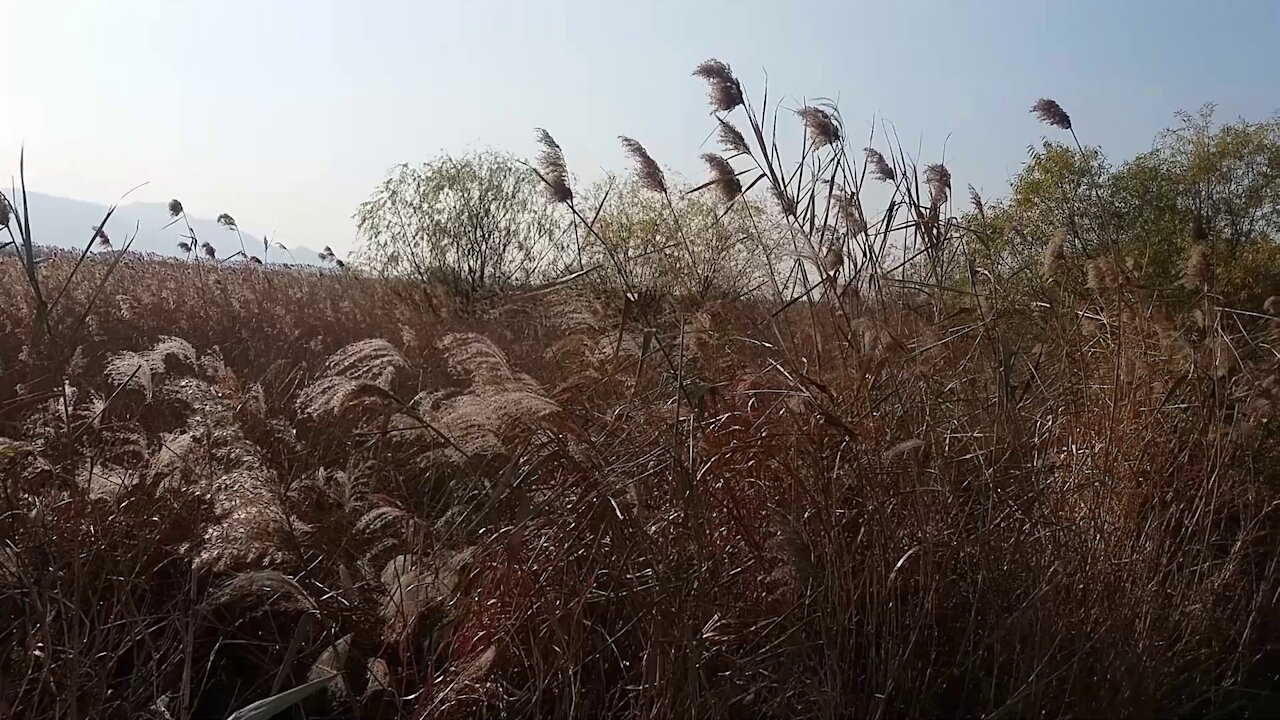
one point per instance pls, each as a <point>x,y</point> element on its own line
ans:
<point>287,113</point>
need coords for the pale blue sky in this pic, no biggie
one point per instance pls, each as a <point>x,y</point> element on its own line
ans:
<point>286,114</point>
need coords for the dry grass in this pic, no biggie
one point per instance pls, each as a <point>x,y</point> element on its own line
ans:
<point>900,500</point>
<point>945,515</point>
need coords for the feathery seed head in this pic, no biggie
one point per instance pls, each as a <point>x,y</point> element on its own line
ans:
<point>209,251</point>
<point>175,208</point>
<point>726,180</point>
<point>1199,268</point>
<point>847,204</point>
<point>832,260</point>
<point>255,260</point>
<point>1055,253</point>
<point>731,140</point>
<point>553,169</point>
<point>822,126</point>
<point>5,212</point>
<point>650,175</point>
<point>227,221</point>
<point>184,247</point>
<point>100,238</point>
<point>880,168</point>
<point>938,178</point>
<point>723,89</point>
<point>1051,113</point>
<point>975,199</point>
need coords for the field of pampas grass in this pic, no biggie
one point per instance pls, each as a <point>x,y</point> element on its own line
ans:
<point>242,479</point>
<point>883,497</point>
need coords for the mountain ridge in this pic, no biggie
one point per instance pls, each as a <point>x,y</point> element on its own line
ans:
<point>58,221</point>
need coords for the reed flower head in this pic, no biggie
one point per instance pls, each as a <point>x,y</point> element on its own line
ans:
<point>822,126</point>
<point>975,199</point>
<point>1055,253</point>
<point>846,203</point>
<point>552,168</point>
<point>731,140</point>
<point>725,179</point>
<point>175,208</point>
<point>227,221</point>
<point>938,178</point>
<point>1199,268</point>
<point>880,168</point>
<point>650,175</point>
<point>1051,113</point>
<point>100,238</point>
<point>209,251</point>
<point>723,89</point>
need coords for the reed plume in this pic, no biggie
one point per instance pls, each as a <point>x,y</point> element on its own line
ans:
<point>723,177</point>
<point>880,168</point>
<point>938,178</point>
<point>647,171</point>
<point>822,126</point>
<point>1055,254</point>
<point>723,89</point>
<point>1051,113</point>
<point>731,140</point>
<point>552,168</point>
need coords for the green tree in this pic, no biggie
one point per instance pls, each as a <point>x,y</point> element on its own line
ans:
<point>474,222</point>
<point>1201,182</point>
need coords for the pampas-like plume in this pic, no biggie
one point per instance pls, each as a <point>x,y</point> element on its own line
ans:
<point>278,589</point>
<point>723,89</point>
<point>209,251</point>
<point>359,374</point>
<point>726,180</point>
<point>552,168</point>
<point>175,208</point>
<point>650,175</point>
<point>823,127</point>
<point>847,203</point>
<point>185,247</point>
<point>731,139</point>
<point>5,212</point>
<point>1055,254</point>
<point>1051,113</point>
<point>880,168</point>
<point>832,260</point>
<point>938,178</point>
<point>227,221</point>
<point>100,238</point>
<point>498,398</point>
<point>1199,268</point>
<point>975,199</point>
<point>374,360</point>
<point>141,368</point>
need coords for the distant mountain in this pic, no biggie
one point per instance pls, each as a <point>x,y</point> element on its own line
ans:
<point>63,222</point>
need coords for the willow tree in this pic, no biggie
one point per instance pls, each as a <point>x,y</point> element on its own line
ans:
<point>474,222</point>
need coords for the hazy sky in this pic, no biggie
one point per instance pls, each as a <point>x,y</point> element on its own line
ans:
<point>286,114</point>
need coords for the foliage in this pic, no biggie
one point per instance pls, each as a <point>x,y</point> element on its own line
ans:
<point>864,494</point>
<point>1202,182</point>
<point>678,245</point>
<point>475,222</point>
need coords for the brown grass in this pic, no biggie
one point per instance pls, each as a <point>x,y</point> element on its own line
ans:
<point>903,499</point>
